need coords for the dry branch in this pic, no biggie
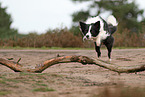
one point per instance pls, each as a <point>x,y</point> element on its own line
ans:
<point>67,59</point>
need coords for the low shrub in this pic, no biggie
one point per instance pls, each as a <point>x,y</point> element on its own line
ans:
<point>64,38</point>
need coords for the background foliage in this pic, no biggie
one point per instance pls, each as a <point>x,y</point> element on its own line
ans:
<point>126,12</point>
<point>5,25</point>
<point>130,33</point>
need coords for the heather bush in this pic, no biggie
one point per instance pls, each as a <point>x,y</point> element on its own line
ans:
<point>64,38</point>
<point>129,39</point>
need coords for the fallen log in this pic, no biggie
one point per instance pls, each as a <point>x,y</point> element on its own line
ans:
<point>15,66</point>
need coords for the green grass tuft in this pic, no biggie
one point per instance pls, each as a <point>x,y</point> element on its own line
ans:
<point>2,82</point>
<point>40,84</point>
<point>43,89</point>
<point>3,92</point>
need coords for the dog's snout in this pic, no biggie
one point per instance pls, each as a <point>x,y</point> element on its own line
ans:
<point>87,36</point>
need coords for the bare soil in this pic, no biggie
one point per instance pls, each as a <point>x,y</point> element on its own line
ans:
<point>72,79</point>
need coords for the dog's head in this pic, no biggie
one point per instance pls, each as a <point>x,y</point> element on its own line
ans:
<point>90,30</point>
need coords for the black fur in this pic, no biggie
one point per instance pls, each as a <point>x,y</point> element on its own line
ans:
<point>84,27</point>
<point>95,29</point>
<point>97,48</point>
<point>108,42</point>
<point>112,29</point>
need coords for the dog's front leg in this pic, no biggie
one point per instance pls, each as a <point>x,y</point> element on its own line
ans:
<point>97,48</point>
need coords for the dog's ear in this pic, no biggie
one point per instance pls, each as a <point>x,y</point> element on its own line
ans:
<point>97,25</point>
<point>82,26</point>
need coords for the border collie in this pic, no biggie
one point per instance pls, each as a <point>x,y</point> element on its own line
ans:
<point>100,31</point>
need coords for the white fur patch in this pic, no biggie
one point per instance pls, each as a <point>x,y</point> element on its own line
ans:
<point>89,32</point>
<point>112,20</point>
<point>94,20</point>
<point>102,34</point>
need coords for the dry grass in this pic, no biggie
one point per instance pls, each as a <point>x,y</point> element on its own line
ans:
<point>64,38</point>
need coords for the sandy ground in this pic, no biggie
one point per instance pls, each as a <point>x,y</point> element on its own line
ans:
<point>72,79</point>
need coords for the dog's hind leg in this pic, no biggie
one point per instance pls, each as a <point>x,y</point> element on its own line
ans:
<point>112,29</point>
<point>97,48</point>
<point>109,44</point>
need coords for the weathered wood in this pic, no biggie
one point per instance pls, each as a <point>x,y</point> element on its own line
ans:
<point>67,59</point>
<point>12,65</point>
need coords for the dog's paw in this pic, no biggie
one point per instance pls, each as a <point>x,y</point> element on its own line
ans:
<point>110,60</point>
<point>98,58</point>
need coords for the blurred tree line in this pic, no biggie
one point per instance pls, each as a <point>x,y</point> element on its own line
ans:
<point>127,14</point>
<point>6,31</point>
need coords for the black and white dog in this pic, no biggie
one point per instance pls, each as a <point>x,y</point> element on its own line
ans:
<point>100,31</point>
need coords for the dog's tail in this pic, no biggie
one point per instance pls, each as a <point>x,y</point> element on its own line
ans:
<point>112,20</point>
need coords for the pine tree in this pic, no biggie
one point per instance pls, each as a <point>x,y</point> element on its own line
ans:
<point>5,24</point>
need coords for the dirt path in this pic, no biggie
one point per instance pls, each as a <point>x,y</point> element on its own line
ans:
<point>71,79</point>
